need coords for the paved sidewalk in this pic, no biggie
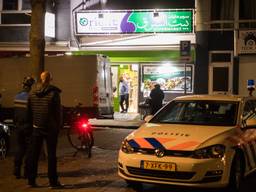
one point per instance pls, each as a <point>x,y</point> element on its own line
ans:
<point>122,120</point>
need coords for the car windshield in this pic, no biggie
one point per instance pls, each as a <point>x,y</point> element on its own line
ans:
<point>201,112</point>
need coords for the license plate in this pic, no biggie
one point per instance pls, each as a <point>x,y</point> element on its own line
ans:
<point>154,165</point>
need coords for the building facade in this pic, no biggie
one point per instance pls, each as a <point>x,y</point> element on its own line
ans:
<point>225,41</point>
<point>222,43</point>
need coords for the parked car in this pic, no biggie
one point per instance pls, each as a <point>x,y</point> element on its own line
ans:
<point>4,140</point>
<point>204,141</point>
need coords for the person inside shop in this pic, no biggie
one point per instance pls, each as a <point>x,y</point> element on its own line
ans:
<point>157,96</point>
<point>123,95</point>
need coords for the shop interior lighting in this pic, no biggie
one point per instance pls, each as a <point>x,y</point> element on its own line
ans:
<point>100,15</point>
<point>156,14</point>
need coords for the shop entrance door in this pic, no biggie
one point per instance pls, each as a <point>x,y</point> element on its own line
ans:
<point>130,73</point>
<point>221,72</point>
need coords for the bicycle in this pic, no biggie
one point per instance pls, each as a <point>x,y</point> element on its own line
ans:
<point>80,134</point>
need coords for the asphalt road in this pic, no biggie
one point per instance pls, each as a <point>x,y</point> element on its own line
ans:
<point>98,173</point>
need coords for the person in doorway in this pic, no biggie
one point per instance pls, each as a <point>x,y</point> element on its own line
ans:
<point>157,96</point>
<point>44,107</point>
<point>22,127</point>
<point>124,95</point>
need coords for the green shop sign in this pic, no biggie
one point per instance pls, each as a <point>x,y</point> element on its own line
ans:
<point>150,21</point>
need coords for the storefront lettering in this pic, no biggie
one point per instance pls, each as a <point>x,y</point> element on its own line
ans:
<point>96,22</point>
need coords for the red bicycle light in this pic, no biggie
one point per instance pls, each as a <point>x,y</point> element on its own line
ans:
<point>83,125</point>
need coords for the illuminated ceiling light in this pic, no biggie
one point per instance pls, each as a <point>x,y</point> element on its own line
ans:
<point>100,15</point>
<point>156,14</point>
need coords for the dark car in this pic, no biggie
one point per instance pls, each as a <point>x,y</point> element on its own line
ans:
<point>4,140</point>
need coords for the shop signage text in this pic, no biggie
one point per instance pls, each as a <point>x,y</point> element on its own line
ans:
<point>150,21</point>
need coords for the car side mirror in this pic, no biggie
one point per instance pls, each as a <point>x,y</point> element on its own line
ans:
<point>251,123</point>
<point>148,118</point>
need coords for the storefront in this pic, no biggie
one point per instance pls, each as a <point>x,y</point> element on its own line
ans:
<point>143,46</point>
<point>247,57</point>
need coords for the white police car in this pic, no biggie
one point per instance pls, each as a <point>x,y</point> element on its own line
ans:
<point>4,140</point>
<point>199,140</point>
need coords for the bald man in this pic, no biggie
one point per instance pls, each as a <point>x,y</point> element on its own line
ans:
<point>44,107</point>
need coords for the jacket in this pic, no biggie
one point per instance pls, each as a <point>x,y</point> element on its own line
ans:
<point>21,120</point>
<point>44,107</point>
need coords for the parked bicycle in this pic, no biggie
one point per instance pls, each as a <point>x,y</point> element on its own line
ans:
<point>80,134</point>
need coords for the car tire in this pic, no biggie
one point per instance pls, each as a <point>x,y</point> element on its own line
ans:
<point>134,184</point>
<point>236,174</point>
<point>3,148</point>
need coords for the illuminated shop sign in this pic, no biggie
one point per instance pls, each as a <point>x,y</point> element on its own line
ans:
<point>49,28</point>
<point>165,21</point>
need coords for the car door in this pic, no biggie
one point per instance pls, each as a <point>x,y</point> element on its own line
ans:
<point>249,133</point>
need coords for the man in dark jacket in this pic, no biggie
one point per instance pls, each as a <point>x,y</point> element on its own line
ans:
<point>22,126</point>
<point>44,109</point>
<point>157,96</point>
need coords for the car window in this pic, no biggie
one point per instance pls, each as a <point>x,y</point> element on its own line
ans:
<point>200,112</point>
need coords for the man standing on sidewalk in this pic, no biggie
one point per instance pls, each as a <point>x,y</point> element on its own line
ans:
<point>22,127</point>
<point>44,109</point>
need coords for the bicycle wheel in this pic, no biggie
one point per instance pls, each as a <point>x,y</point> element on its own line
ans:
<point>88,144</point>
<point>82,141</point>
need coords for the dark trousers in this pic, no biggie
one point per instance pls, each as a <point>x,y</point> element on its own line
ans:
<point>21,152</point>
<point>36,146</point>
<point>124,99</point>
<point>155,108</point>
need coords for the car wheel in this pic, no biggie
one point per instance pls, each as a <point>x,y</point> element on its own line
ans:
<point>3,148</point>
<point>134,184</point>
<point>236,174</point>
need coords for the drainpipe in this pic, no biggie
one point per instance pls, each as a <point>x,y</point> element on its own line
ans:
<point>236,26</point>
<point>236,58</point>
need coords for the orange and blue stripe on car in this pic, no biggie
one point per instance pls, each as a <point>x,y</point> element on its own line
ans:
<point>156,143</point>
<point>149,143</point>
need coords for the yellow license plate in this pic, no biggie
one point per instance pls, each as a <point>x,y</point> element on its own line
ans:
<point>154,165</point>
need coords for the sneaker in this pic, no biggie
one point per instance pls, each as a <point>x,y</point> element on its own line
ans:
<point>57,185</point>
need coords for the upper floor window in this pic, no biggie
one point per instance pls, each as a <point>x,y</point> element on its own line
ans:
<point>10,4</point>
<point>247,11</point>
<point>223,11</point>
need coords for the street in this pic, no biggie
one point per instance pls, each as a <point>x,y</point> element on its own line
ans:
<point>82,174</point>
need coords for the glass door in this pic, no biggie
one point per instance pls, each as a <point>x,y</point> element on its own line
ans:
<point>221,72</point>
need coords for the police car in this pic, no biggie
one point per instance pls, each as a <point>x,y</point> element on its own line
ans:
<point>4,140</point>
<point>198,140</point>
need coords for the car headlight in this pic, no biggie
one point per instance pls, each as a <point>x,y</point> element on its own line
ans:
<point>126,147</point>
<point>214,151</point>
<point>5,128</point>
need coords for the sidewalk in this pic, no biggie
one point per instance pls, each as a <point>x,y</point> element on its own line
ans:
<point>123,120</point>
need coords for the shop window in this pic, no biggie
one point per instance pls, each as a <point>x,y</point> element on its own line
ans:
<point>17,18</point>
<point>10,4</point>
<point>171,78</point>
